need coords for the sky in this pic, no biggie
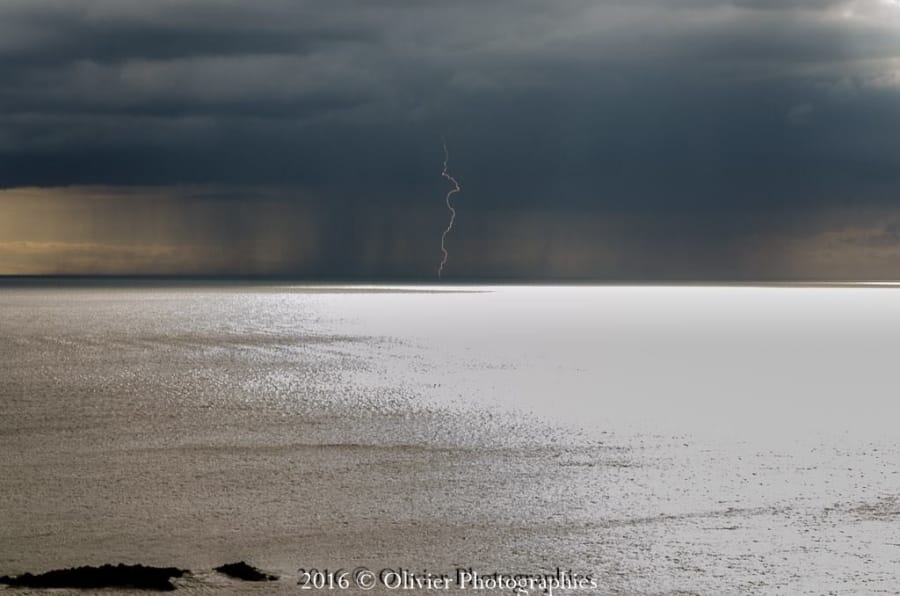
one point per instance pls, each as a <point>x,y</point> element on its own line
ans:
<point>599,140</point>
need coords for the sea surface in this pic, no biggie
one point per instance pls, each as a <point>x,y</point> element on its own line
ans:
<point>662,440</point>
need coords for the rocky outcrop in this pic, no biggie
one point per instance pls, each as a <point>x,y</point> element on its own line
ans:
<point>106,576</point>
<point>241,570</point>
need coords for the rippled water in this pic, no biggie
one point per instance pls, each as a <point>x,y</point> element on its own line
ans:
<point>713,440</point>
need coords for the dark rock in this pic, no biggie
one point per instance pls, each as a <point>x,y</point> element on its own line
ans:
<point>106,576</point>
<point>246,572</point>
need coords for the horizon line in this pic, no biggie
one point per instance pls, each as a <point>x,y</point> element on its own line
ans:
<point>500,281</point>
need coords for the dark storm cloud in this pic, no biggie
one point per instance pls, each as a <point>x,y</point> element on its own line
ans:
<point>715,120</point>
<point>569,90</point>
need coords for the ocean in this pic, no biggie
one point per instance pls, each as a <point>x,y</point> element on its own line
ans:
<point>658,439</point>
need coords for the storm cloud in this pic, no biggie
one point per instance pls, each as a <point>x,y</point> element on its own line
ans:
<point>593,139</point>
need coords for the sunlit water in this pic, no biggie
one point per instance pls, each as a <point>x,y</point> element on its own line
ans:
<point>708,440</point>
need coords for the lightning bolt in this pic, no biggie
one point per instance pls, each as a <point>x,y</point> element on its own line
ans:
<point>456,188</point>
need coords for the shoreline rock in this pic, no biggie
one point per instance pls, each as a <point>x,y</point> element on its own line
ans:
<point>106,576</point>
<point>249,573</point>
